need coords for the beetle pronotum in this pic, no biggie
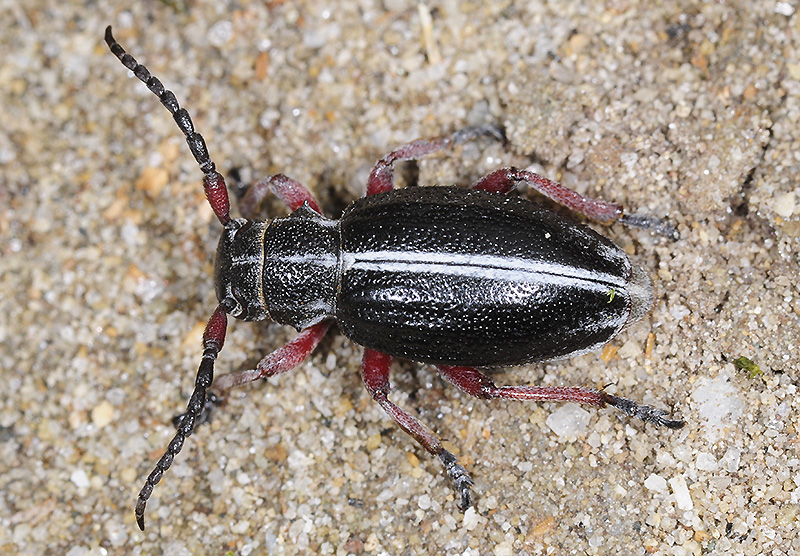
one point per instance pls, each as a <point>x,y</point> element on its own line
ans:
<point>459,278</point>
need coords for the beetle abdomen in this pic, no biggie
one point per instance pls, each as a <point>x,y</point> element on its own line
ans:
<point>447,275</point>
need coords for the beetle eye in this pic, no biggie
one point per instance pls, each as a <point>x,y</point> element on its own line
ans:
<point>232,303</point>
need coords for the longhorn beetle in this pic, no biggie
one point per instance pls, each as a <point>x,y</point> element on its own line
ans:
<point>459,278</point>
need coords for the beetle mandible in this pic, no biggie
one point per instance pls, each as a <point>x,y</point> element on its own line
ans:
<point>459,278</point>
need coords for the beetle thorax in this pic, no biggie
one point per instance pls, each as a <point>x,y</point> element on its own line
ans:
<point>301,268</point>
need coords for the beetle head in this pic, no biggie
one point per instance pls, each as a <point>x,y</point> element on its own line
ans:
<point>238,269</point>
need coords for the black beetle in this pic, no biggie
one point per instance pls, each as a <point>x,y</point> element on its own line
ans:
<point>449,276</point>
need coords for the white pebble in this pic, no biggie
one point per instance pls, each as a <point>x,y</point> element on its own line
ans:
<point>569,421</point>
<point>79,478</point>
<point>470,519</point>
<point>785,204</point>
<point>424,502</point>
<point>706,462</point>
<point>681,491</point>
<point>655,482</point>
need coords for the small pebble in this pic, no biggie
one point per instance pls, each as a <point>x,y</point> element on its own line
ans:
<point>102,414</point>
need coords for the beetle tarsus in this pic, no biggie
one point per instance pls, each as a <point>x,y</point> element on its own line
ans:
<point>471,132</point>
<point>658,226</point>
<point>646,413</point>
<point>206,414</point>
<point>460,478</point>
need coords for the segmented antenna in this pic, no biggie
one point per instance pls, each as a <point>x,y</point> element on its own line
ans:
<point>213,182</point>
<point>214,335</point>
<point>213,340</point>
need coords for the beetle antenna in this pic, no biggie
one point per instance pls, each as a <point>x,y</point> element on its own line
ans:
<point>213,339</point>
<point>213,182</point>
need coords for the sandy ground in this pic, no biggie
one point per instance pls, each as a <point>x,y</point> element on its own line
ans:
<point>678,109</point>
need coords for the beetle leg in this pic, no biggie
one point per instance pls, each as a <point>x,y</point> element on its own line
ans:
<point>656,225</point>
<point>375,373</point>
<point>506,179</point>
<point>494,184</point>
<point>291,192</point>
<point>213,340</point>
<point>477,384</point>
<point>279,361</point>
<point>212,401</point>
<point>382,176</point>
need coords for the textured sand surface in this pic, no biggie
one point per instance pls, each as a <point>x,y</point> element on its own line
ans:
<point>671,108</point>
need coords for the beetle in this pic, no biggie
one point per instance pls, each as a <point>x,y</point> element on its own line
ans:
<point>458,278</point>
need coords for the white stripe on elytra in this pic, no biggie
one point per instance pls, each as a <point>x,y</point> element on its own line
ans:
<point>247,260</point>
<point>326,259</point>
<point>475,266</point>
